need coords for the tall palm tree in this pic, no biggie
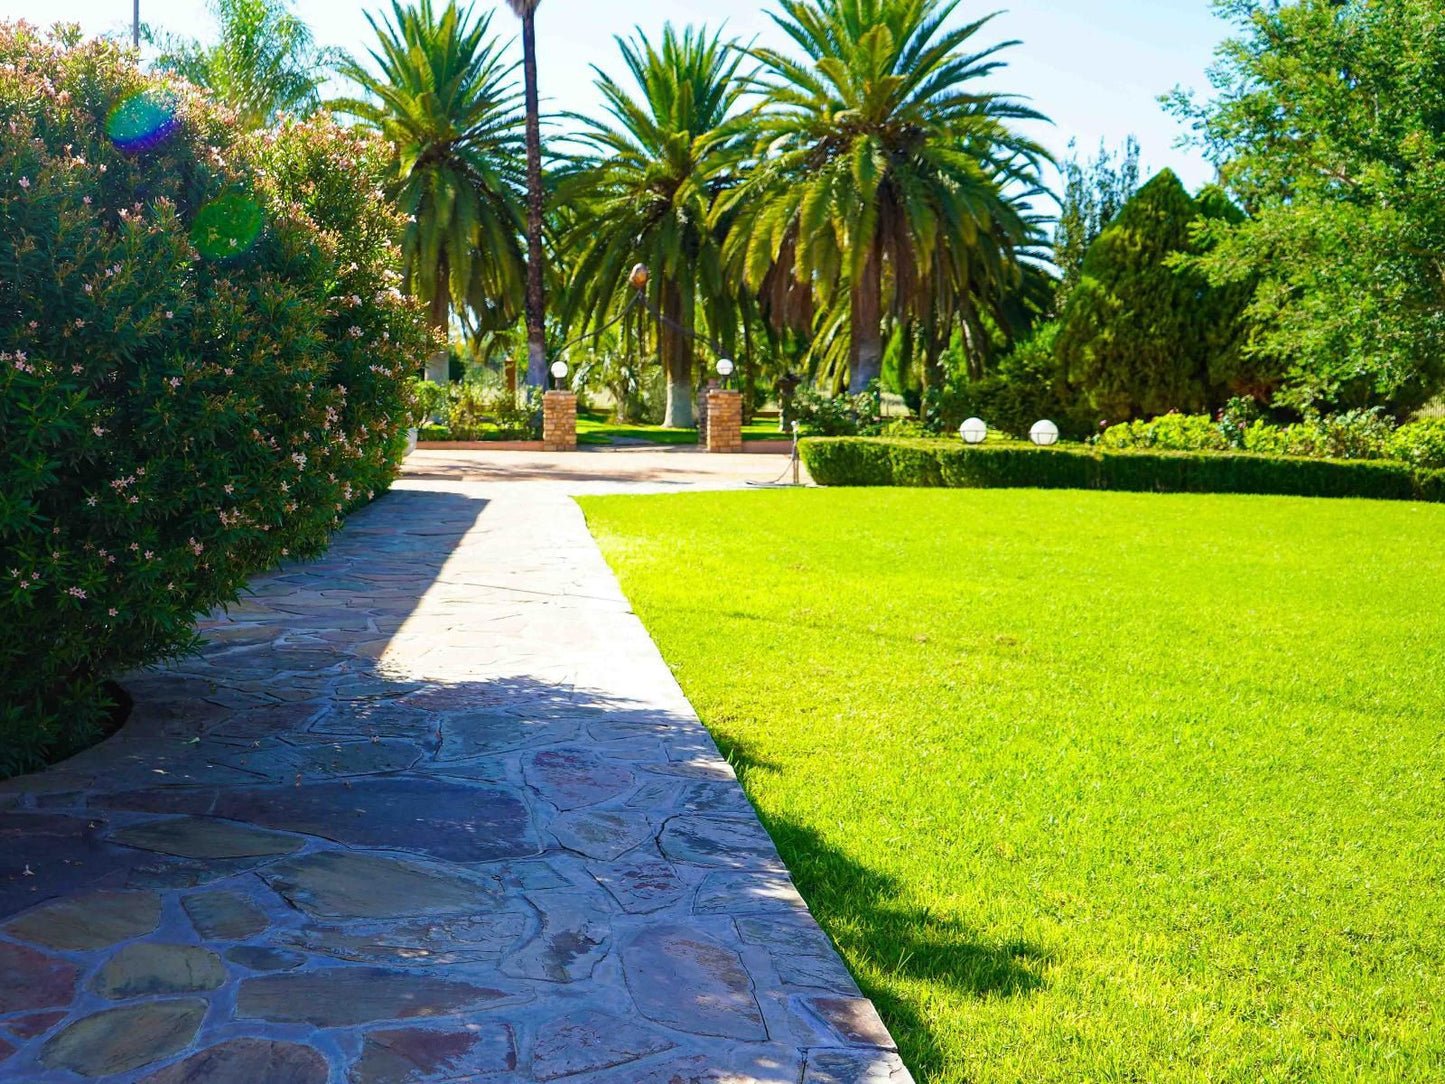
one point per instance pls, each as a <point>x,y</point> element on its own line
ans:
<point>264,63</point>
<point>876,166</point>
<point>654,167</point>
<point>444,97</point>
<point>526,10</point>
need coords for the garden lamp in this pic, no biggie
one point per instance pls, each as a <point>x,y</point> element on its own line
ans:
<point>725,369</point>
<point>559,373</point>
<point>1044,433</point>
<point>974,431</point>
<point>638,278</point>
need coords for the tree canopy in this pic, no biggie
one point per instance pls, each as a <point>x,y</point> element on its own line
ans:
<point>884,179</point>
<point>1329,124</point>
<point>263,64</point>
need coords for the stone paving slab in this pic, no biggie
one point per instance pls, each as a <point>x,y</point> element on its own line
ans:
<point>431,808</point>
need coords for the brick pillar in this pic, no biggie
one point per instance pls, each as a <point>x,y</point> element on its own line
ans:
<point>724,420</point>
<point>702,412</point>
<point>559,421</point>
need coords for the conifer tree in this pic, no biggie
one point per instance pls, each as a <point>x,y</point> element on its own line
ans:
<point>1140,334</point>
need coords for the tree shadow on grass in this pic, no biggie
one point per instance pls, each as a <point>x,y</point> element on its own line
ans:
<point>890,943</point>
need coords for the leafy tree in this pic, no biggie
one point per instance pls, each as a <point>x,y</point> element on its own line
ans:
<point>1140,335</point>
<point>648,183</point>
<point>881,174</point>
<point>1329,124</point>
<point>1094,192</point>
<point>526,10</point>
<point>265,62</point>
<point>443,96</point>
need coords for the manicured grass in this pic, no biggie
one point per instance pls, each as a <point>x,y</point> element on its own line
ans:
<point>1086,786</point>
<point>597,429</point>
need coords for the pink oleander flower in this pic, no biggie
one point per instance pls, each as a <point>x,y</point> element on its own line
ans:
<point>75,592</point>
<point>24,182</point>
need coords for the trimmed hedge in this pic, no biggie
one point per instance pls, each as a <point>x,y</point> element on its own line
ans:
<point>861,461</point>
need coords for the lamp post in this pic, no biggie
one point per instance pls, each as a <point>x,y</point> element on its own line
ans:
<point>725,369</point>
<point>559,373</point>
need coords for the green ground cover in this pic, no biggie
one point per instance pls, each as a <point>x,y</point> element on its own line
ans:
<point>1086,786</point>
<point>598,429</point>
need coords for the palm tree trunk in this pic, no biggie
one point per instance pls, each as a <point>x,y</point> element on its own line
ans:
<point>866,350</point>
<point>438,365</point>
<point>676,349</point>
<point>536,297</point>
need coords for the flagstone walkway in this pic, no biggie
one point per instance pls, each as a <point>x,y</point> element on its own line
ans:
<point>429,809</point>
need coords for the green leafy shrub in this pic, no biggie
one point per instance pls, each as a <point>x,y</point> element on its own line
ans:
<point>836,415</point>
<point>877,462</point>
<point>476,412</point>
<point>202,367</point>
<point>1356,434</point>
<point>1169,432</point>
<point>428,400</point>
<point>1027,387</point>
<point>1421,443</point>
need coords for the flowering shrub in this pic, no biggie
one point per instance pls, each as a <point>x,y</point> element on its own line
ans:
<point>203,356</point>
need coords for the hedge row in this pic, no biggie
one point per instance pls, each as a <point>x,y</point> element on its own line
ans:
<point>861,461</point>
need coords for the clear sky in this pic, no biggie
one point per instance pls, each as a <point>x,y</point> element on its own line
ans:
<point>1096,67</point>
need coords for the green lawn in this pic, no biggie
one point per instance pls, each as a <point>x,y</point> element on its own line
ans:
<point>597,429</point>
<point>1086,786</point>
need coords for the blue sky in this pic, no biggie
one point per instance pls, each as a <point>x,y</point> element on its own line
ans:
<point>1096,67</point>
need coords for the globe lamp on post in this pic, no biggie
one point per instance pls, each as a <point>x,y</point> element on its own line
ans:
<point>973,431</point>
<point>1044,433</point>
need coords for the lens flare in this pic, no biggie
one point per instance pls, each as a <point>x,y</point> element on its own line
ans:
<point>227,227</point>
<point>141,122</point>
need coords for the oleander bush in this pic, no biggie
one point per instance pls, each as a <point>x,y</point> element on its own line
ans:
<point>862,461</point>
<point>203,354</point>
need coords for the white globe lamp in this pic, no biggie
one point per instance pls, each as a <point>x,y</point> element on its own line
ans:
<point>725,367</point>
<point>559,371</point>
<point>1044,433</point>
<point>973,431</point>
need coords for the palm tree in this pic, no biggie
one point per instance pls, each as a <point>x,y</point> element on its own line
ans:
<point>264,64</point>
<point>444,97</point>
<point>879,175</point>
<point>526,10</point>
<point>654,167</point>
